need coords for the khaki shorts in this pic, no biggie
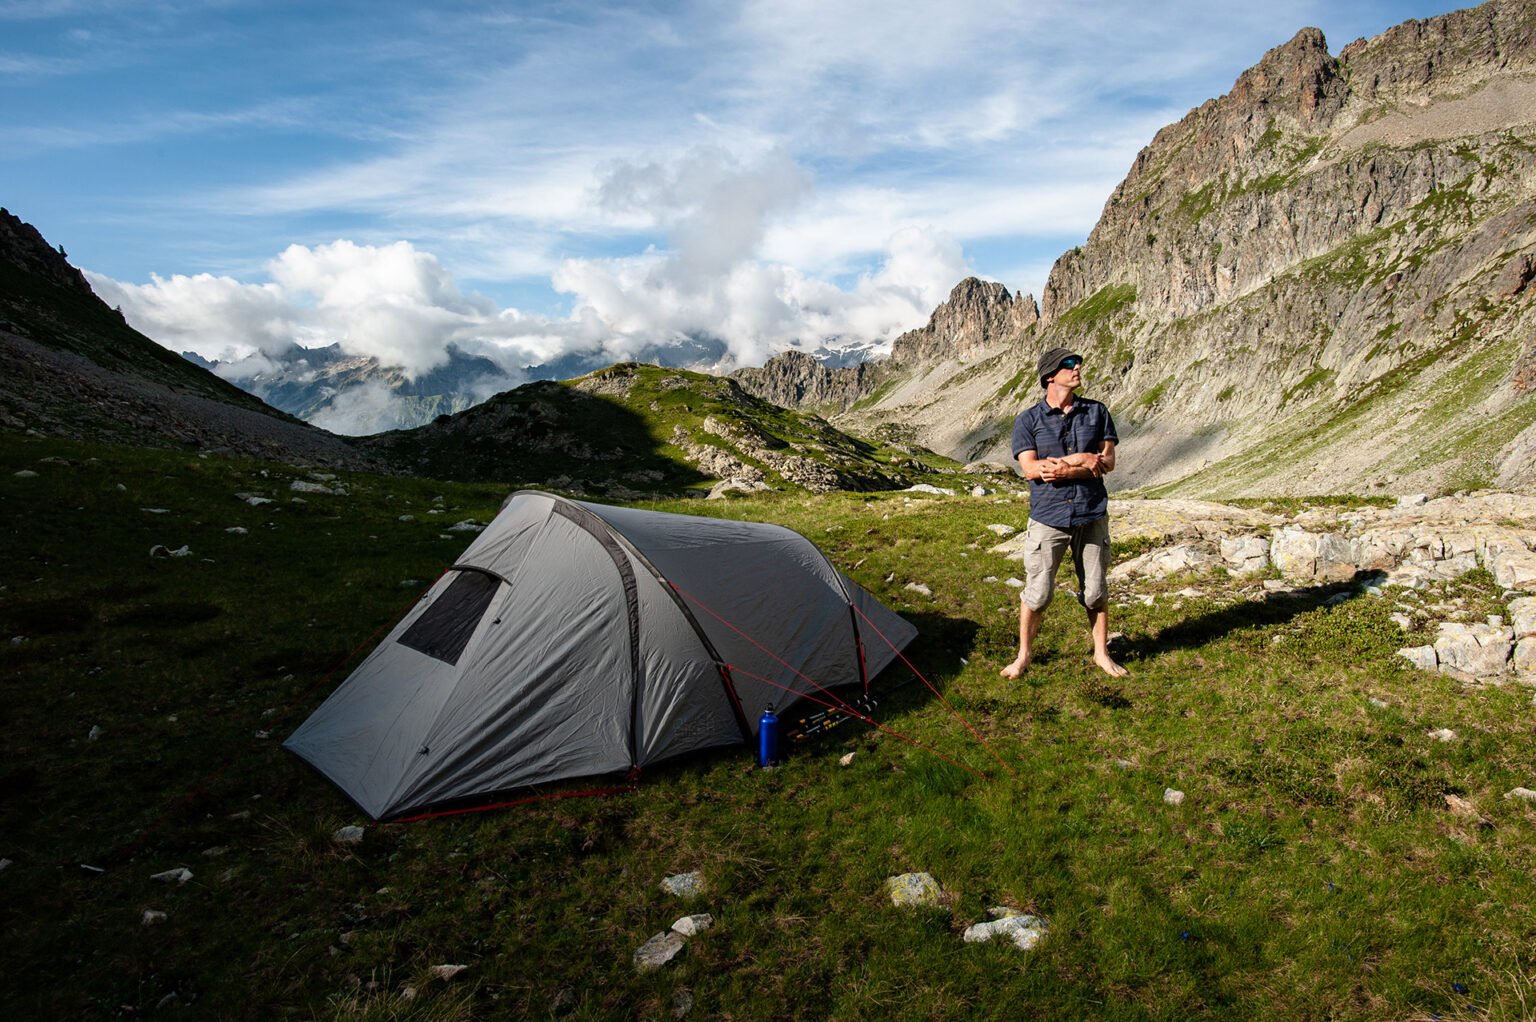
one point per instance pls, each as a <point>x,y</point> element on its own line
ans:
<point>1044,547</point>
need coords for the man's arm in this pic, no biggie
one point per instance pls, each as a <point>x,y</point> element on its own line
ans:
<point>1050,470</point>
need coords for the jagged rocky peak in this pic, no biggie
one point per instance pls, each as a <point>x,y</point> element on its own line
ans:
<point>979,315</point>
<point>23,246</point>
<point>793,379</point>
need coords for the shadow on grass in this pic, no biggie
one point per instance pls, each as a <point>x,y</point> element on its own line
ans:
<point>1275,609</point>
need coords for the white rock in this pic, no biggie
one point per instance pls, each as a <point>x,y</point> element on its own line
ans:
<point>5,864</point>
<point>1524,661</point>
<point>1015,583</point>
<point>1524,794</point>
<point>1403,622</point>
<point>1024,930</point>
<point>305,486</point>
<point>237,530</point>
<point>688,926</point>
<point>447,971</point>
<point>846,760</point>
<point>1522,613</point>
<point>156,510</point>
<point>467,525</point>
<point>926,488</point>
<point>1479,650</point>
<point>95,733</point>
<point>1245,554</point>
<point>151,917</point>
<point>1173,796</point>
<point>179,875</point>
<point>683,885</point>
<point>352,835</point>
<point>1413,500</point>
<point>257,501</point>
<point>184,551</point>
<point>1422,657</point>
<point>25,473</point>
<point>919,588</point>
<point>1443,734</point>
<point>1002,530</point>
<point>658,951</point>
<point>406,518</point>
<point>913,890</point>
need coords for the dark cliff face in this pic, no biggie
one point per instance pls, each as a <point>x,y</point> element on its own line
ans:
<point>24,248</point>
<point>794,379</point>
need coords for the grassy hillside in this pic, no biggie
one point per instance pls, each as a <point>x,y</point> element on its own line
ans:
<point>1315,869</point>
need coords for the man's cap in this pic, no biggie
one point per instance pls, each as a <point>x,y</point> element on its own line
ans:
<point>1051,361</point>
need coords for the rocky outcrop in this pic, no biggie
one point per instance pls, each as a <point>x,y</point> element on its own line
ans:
<point>24,248</point>
<point>794,379</point>
<point>1319,282</point>
<point>979,316</point>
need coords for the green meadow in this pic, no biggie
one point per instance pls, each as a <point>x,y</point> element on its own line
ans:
<point>1315,869</point>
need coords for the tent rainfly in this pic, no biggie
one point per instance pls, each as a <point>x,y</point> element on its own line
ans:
<point>574,639</point>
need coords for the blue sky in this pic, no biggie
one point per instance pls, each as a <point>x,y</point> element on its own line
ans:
<point>536,178</point>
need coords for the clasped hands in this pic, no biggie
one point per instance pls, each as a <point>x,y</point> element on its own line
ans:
<point>1053,469</point>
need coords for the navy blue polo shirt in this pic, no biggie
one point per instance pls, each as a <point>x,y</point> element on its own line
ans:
<point>1050,434</point>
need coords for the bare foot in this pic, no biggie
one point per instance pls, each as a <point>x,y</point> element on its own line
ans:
<point>1108,666</point>
<point>1016,669</point>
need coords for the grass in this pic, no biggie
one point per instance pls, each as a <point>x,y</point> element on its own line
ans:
<point>1314,870</point>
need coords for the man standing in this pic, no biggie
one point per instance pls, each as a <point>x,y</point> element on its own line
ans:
<point>1064,446</point>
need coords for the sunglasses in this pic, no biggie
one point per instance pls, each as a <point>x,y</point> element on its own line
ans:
<point>1070,363</point>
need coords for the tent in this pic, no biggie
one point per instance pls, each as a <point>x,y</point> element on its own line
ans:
<point>573,639</point>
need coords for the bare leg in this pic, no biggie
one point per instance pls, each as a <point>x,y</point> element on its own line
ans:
<point>1098,624</point>
<point>1029,627</point>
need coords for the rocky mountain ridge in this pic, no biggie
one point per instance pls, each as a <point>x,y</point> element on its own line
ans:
<point>1318,282</point>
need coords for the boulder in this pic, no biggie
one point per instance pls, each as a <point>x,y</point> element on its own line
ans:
<point>914,890</point>
<point>1245,555</point>
<point>1479,650</point>
<point>1314,557</point>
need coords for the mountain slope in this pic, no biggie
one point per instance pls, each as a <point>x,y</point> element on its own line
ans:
<point>1320,281</point>
<point>71,367</point>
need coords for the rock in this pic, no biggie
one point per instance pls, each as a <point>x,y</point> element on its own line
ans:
<point>348,836</point>
<point>1403,621</point>
<point>447,971</point>
<point>154,917</point>
<point>1173,796</point>
<point>1522,613</point>
<point>914,890</point>
<point>1422,657</point>
<point>1524,661</point>
<point>1173,560</point>
<point>304,486</point>
<point>467,525</point>
<point>846,760</point>
<point>979,491</point>
<point>928,488</point>
<point>919,588</point>
<point>1001,530</point>
<point>1523,794</point>
<point>658,951</point>
<point>688,926</point>
<point>1443,734</point>
<point>95,733</point>
<point>1025,931</point>
<point>237,530</point>
<point>682,1004</point>
<point>183,551</point>
<point>406,518</point>
<point>1245,555</point>
<point>684,885</point>
<point>179,875</point>
<point>25,473</point>
<point>1479,650</point>
<point>255,501</point>
<point>1313,557</point>
<point>1014,583</point>
<point>159,551</point>
<point>1413,500</point>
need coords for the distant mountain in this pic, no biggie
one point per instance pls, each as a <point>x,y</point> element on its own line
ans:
<point>70,366</point>
<point>1319,282</point>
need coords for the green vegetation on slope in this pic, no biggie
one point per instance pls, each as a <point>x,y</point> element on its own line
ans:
<point>1314,869</point>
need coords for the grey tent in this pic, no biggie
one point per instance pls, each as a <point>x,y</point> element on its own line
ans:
<point>574,639</point>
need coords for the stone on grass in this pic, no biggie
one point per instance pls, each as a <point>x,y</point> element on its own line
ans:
<point>348,836</point>
<point>1024,930</point>
<point>682,1004</point>
<point>1523,794</point>
<point>690,925</point>
<point>447,971</point>
<point>467,525</point>
<point>179,875</point>
<point>1480,650</point>
<point>928,488</point>
<point>683,885</point>
<point>658,951</point>
<point>305,486</point>
<point>914,890</point>
<point>1422,657</point>
<point>1522,613</point>
<point>152,917</point>
<point>918,588</point>
<point>1001,529</point>
<point>1442,734</point>
<point>846,760</point>
<point>1524,661</point>
<point>1245,555</point>
<point>1014,583</point>
<point>25,473</point>
<point>1173,796</point>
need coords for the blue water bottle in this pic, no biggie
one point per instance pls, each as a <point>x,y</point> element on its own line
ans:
<point>767,738</point>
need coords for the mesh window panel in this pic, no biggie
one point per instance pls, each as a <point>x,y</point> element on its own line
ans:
<point>444,630</point>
